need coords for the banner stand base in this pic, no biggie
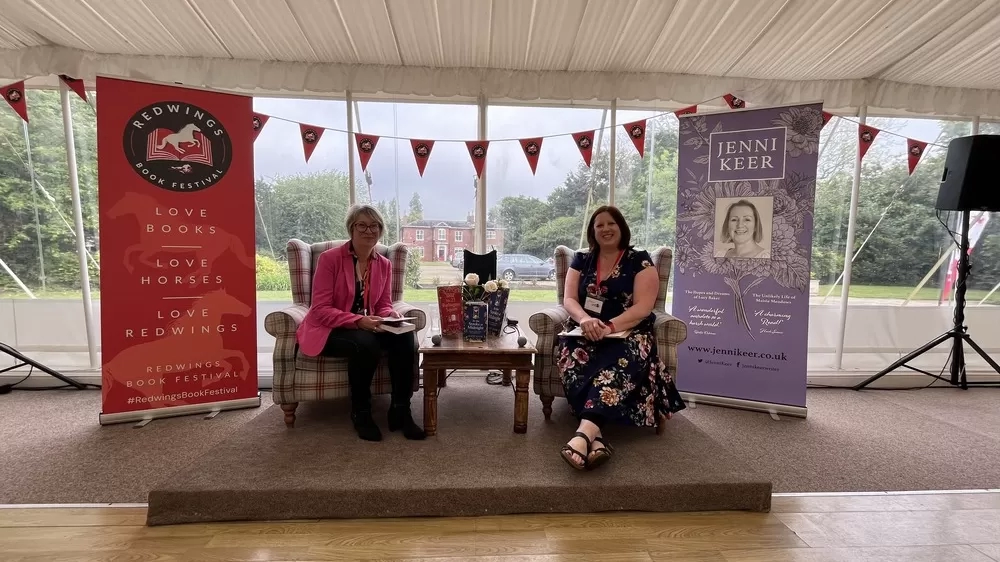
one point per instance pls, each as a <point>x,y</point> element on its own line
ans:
<point>740,404</point>
<point>145,416</point>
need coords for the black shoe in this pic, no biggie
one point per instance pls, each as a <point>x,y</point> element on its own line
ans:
<point>401,418</point>
<point>365,425</point>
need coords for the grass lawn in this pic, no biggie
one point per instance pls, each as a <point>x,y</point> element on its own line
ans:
<point>973,296</point>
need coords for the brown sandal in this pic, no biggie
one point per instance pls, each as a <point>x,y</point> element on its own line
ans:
<point>600,456</point>
<point>568,449</point>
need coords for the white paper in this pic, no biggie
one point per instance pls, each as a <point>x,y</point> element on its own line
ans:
<point>578,332</point>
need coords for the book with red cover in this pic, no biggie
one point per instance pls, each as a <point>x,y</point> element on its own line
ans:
<point>185,146</point>
<point>451,310</point>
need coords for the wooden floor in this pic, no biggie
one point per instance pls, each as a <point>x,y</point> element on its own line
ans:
<point>910,527</point>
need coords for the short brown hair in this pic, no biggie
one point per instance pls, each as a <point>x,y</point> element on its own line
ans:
<point>619,220</point>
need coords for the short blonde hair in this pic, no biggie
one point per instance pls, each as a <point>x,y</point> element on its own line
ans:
<point>355,213</point>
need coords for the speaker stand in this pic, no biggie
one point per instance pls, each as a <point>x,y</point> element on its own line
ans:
<point>958,335</point>
<point>8,350</point>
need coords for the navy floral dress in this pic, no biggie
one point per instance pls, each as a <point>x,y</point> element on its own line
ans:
<point>622,380</point>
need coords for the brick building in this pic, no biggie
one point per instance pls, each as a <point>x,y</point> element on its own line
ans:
<point>440,240</point>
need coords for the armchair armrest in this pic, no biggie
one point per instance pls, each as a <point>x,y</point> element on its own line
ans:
<point>669,329</point>
<point>548,319</point>
<point>546,323</point>
<point>405,309</point>
<point>284,323</point>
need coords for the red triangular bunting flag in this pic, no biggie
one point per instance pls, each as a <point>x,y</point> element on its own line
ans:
<point>76,85</point>
<point>421,152</point>
<point>734,102</point>
<point>914,150</point>
<point>477,150</point>
<point>637,132</point>
<point>686,110</point>
<point>366,146</point>
<point>14,94</point>
<point>532,149</point>
<point>826,118</point>
<point>585,142</point>
<point>259,120</point>
<point>310,138</point>
<point>866,136</point>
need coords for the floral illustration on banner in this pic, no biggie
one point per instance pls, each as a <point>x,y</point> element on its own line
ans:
<point>789,261</point>
<point>803,125</point>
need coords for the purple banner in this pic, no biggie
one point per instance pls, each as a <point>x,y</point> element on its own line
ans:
<point>746,187</point>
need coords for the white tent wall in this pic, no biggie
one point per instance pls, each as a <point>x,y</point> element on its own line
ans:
<point>927,58</point>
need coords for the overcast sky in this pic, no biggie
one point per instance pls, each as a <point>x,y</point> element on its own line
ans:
<point>447,186</point>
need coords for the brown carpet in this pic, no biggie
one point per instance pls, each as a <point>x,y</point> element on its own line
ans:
<point>475,465</point>
<point>53,450</point>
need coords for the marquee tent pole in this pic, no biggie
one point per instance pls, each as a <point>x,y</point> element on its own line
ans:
<point>614,139</point>
<point>852,227</point>
<point>350,150</point>
<point>81,241</point>
<point>481,189</point>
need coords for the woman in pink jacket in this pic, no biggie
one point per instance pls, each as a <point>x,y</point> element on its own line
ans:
<point>350,294</point>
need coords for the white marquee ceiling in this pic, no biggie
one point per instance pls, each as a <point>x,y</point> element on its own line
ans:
<point>918,56</point>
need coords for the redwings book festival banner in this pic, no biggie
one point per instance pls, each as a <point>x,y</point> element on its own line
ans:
<point>745,195</point>
<point>178,274</point>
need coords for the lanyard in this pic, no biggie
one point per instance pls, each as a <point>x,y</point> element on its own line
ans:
<point>364,286</point>
<point>598,268</point>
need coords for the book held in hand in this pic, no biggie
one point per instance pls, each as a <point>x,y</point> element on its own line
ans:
<point>578,333</point>
<point>400,328</point>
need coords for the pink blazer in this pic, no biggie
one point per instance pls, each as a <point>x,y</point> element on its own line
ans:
<point>333,295</point>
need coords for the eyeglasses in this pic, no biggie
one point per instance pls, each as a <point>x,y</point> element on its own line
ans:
<point>366,227</point>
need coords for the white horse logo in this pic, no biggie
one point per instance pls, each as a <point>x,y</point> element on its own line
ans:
<point>185,135</point>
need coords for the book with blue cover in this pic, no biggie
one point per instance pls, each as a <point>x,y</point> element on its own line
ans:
<point>497,312</point>
<point>475,320</point>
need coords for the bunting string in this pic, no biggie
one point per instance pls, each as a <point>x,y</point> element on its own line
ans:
<point>14,95</point>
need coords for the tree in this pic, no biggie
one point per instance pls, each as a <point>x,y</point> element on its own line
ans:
<point>310,207</point>
<point>388,210</point>
<point>50,197</point>
<point>416,209</point>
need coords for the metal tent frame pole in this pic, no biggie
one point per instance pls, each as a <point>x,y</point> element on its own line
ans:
<point>81,242</point>
<point>852,227</point>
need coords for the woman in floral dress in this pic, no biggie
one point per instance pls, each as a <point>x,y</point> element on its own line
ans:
<point>607,378</point>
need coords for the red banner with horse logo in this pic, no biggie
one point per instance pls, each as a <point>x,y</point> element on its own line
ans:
<point>178,273</point>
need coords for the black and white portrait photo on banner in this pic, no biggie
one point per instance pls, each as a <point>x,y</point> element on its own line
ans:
<point>743,227</point>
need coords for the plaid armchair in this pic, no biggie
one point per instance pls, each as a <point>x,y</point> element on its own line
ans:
<point>298,377</point>
<point>670,332</point>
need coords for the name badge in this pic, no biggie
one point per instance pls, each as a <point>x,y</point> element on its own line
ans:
<point>593,304</point>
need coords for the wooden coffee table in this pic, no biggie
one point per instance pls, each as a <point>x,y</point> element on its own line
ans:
<point>500,352</point>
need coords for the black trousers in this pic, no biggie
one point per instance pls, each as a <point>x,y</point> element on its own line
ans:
<point>363,349</point>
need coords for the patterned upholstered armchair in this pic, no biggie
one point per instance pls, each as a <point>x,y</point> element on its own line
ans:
<point>670,332</point>
<point>298,377</point>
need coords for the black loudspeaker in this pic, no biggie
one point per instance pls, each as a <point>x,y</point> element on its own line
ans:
<point>971,178</point>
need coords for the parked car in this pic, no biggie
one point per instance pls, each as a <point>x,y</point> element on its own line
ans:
<point>524,266</point>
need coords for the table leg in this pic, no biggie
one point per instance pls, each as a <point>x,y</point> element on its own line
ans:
<point>506,377</point>
<point>430,401</point>
<point>521,401</point>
